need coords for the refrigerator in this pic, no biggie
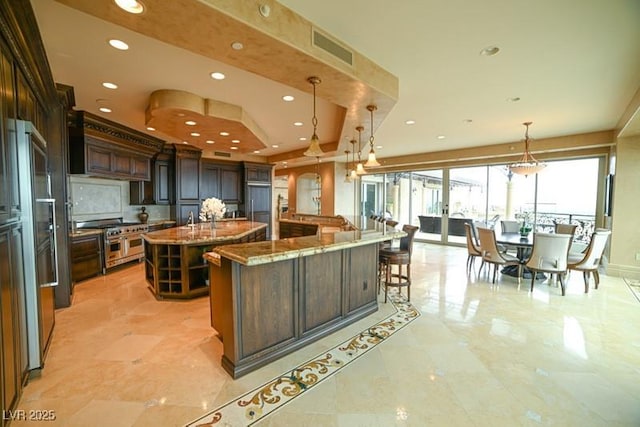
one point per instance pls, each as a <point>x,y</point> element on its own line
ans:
<point>39,241</point>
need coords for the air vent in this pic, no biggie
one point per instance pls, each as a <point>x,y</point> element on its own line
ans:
<point>328,45</point>
<point>221,154</point>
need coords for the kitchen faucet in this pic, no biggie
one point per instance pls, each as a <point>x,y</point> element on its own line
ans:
<point>191,221</point>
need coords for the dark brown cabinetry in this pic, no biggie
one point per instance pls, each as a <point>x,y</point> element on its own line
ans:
<point>257,192</point>
<point>221,180</point>
<point>100,147</point>
<point>159,189</point>
<point>86,256</point>
<point>187,183</point>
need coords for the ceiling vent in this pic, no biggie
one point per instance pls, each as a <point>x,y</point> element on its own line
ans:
<point>325,43</point>
<point>221,154</point>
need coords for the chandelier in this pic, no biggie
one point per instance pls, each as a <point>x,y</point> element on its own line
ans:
<point>314,149</point>
<point>360,167</point>
<point>371,160</point>
<point>528,165</point>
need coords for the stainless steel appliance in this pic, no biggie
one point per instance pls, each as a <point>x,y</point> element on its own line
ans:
<point>39,241</point>
<point>122,240</point>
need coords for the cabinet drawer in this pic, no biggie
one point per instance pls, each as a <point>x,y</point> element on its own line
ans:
<point>86,246</point>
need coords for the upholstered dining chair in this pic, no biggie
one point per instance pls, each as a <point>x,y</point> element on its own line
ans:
<point>510,226</point>
<point>570,229</point>
<point>549,255</point>
<point>399,257</point>
<point>589,261</point>
<point>473,249</point>
<point>492,255</point>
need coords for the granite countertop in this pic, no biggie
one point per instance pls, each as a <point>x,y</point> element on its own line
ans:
<point>278,250</point>
<point>85,232</point>
<point>202,234</point>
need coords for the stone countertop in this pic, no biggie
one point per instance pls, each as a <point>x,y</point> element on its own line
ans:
<point>279,250</point>
<point>85,232</point>
<point>201,234</point>
<point>161,222</point>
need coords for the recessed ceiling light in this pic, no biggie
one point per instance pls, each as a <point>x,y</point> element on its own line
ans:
<point>110,85</point>
<point>131,6</point>
<point>410,122</point>
<point>297,123</point>
<point>237,45</point>
<point>303,138</point>
<point>224,133</point>
<point>275,146</point>
<point>284,163</point>
<point>195,134</point>
<point>256,151</point>
<point>234,148</point>
<point>490,51</point>
<point>379,147</point>
<point>440,136</point>
<point>288,98</point>
<point>184,142</point>
<point>180,114</point>
<point>235,141</point>
<point>190,123</point>
<point>208,141</point>
<point>105,109</point>
<point>151,128</point>
<point>118,44</point>
<point>514,99</point>
<point>217,75</point>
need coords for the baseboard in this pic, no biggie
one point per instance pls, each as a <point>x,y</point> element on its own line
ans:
<point>627,271</point>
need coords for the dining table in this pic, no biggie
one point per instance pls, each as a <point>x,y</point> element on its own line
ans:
<point>523,245</point>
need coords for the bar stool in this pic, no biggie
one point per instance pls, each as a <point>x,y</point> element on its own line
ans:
<point>401,256</point>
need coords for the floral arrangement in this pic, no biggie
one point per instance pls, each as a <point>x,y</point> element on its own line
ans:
<point>212,209</point>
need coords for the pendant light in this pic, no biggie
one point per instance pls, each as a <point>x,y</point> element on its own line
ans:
<point>352,170</point>
<point>347,175</point>
<point>528,165</point>
<point>371,161</point>
<point>314,149</point>
<point>360,167</point>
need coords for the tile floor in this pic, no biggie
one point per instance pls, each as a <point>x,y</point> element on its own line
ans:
<point>479,355</point>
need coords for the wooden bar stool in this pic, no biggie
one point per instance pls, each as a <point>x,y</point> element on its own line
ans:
<point>399,257</point>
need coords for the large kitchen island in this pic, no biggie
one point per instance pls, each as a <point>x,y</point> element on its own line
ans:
<point>174,266</point>
<point>271,298</point>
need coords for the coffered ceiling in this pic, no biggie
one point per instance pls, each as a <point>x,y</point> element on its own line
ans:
<point>570,67</point>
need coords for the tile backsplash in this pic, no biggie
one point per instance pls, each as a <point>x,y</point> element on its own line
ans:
<point>95,198</point>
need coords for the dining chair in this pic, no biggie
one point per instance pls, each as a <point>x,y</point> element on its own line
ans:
<point>473,249</point>
<point>549,255</point>
<point>399,257</point>
<point>570,229</point>
<point>590,261</point>
<point>492,255</point>
<point>510,226</point>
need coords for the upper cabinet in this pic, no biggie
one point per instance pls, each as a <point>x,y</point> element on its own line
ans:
<point>257,172</point>
<point>222,180</point>
<point>102,148</point>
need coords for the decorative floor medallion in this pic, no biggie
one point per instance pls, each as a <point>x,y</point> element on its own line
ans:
<point>263,400</point>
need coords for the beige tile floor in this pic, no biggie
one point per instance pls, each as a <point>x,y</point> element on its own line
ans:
<point>479,355</point>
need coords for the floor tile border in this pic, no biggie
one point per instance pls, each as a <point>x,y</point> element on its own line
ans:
<point>258,403</point>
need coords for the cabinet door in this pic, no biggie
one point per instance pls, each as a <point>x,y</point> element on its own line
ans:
<point>163,183</point>
<point>98,160</point>
<point>231,185</point>
<point>183,212</point>
<point>210,181</point>
<point>140,168</point>
<point>9,349</point>
<point>122,164</point>
<point>188,178</point>
<point>259,198</point>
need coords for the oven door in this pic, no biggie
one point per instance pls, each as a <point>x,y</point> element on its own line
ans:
<point>134,246</point>
<point>114,250</point>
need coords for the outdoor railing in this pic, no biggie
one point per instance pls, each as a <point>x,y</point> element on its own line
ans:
<point>545,222</point>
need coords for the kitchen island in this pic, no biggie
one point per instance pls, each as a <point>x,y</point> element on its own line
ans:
<point>174,266</point>
<point>271,298</point>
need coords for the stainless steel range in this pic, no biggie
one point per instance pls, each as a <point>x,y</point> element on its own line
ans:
<point>122,240</point>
